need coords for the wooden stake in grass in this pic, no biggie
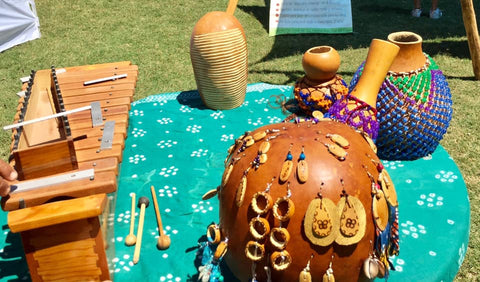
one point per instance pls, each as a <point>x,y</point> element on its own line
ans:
<point>470,23</point>
<point>143,203</point>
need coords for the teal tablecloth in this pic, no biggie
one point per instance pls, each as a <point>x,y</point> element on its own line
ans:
<point>177,145</point>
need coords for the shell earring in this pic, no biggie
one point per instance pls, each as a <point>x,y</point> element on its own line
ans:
<point>287,166</point>
<point>328,276</point>
<point>305,275</point>
<point>302,167</point>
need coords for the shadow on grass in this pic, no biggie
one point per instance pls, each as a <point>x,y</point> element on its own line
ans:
<point>376,19</point>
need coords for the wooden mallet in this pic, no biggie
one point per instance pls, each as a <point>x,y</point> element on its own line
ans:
<point>163,242</point>
<point>131,239</point>
<point>143,203</point>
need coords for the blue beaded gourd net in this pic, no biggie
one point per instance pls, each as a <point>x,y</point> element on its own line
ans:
<point>414,112</point>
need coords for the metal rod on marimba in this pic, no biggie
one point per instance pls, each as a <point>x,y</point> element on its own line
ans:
<point>115,77</point>
<point>20,124</point>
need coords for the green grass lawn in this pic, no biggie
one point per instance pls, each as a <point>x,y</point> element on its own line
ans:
<point>155,36</point>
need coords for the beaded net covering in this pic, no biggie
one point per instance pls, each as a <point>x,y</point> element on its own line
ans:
<point>414,112</point>
<point>314,96</point>
<point>356,114</point>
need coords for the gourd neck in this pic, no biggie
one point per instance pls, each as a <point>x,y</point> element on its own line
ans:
<point>410,55</point>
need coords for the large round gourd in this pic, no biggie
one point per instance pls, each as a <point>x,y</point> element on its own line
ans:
<point>332,163</point>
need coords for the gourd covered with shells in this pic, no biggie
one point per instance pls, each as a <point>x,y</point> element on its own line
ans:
<point>308,201</point>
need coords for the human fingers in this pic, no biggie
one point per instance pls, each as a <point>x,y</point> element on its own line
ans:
<point>4,188</point>
<point>7,172</point>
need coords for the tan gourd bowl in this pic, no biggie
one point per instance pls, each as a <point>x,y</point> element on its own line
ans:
<point>320,63</point>
<point>325,171</point>
<point>218,53</point>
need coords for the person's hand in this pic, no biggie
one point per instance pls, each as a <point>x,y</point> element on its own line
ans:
<point>6,173</point>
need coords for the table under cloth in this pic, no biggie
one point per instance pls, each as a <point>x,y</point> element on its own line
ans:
<point>178,145</point>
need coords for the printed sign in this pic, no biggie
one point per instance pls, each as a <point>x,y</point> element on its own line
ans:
<point>308,16</point>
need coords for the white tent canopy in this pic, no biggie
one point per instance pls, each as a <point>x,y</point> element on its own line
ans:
<point>18,22</point>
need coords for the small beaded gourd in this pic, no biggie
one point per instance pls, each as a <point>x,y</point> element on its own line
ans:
<point>321,86</point>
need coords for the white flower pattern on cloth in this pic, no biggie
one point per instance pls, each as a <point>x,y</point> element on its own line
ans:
<point>194,128</point>
<point>202,207</point>
<point>164,120</point>
<point>392,164</point>
<point>445,176</point>
<point>166,143</point>
<point>168,171</point>
<point>430,200</point>
<point>138,132</point>
<point>409,229</point>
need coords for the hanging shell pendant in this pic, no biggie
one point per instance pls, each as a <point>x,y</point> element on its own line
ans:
<point>249,141</point>
<point>214,234</point>
<point>226,174</point>
<point>283,209</point>
<point>349,224</point>
<point>380,211</point>
<point>210,194</point>
<point>264,147</point>
<point>328,276</point>
<point>370,268</point>
<point>241,191</point>
<point>229,155</point>
<point>287,168</point>
<point>305,276</point>
<point>339,140</point>
<point>302,171</point>
<point>313,215</point>
<point>261,202</point>
<point>302,168</point>
<point>280,260</point>
<point>259,228</point>
<point>221,250</point>
<point>370,142</point>
<point>263,158</point>
<point>337,151</point>
<point>254,251</point>
<point>259,135</point>
<point>322,222</point>
<point>388,188</point>
<point>279,237</point>
<point>353,220</point>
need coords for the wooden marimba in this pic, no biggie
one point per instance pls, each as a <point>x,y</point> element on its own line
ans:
<point>68,167</point>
